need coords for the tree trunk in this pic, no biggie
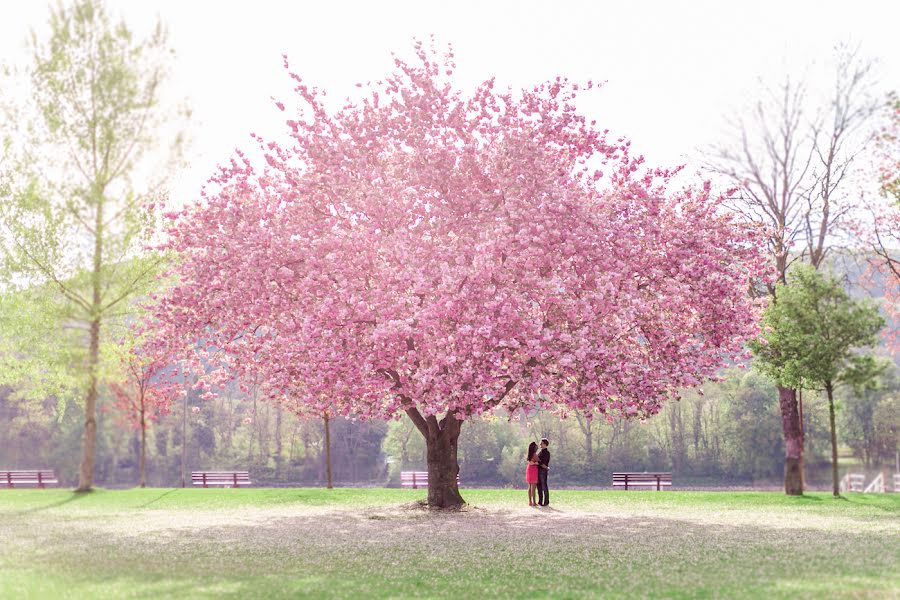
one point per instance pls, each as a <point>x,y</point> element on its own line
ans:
<point>262,429</point>
<point>443,467</point>
<point>802,433</point>
<point>589,445</point>
<point>184,438</point>
<point>793,442</point>
<point>278,444</point>
<point>86,473</point>
<point>328,477</point>
<point>586,425</point>
<point>143,460</point>
<point>254,425</point>
<point>441,445</point>
<point>834,453</point>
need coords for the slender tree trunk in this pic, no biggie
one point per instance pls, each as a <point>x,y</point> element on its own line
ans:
<point>255,426</point>
<point>184,438</point>
<point>263,432</point>
<point>834,450</point>
<point>793,442</point>
<point>328,477</point>
<point>86,473</point>
<point>674,417</point>
<point>589,444</point>
<point>586,426</point>
<point>278,444</point>
<point>143,460</point>
<point>404,450</point>
<point>229,429</point>
<point>802,434</point>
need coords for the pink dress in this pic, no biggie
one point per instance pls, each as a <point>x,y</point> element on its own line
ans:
<point>531,473</point>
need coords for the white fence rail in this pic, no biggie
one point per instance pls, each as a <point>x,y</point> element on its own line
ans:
<point>876,486</point>
<point>856,482</point>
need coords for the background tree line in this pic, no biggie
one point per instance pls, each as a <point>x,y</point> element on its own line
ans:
<point>729,435</point>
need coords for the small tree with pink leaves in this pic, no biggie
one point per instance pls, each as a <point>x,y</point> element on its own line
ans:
<point>142,397</point>
<point>441,255</point>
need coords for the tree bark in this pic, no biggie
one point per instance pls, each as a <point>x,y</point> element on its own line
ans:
<point>793,442</point>
<point>86,472</point>
<point>834,452</point>
<point>328,472</point>
<point>443,466</point>
<point>441,445</point>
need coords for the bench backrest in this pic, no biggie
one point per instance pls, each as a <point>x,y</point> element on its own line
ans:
<point>220,478</point>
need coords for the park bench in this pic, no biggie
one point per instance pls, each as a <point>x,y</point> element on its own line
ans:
<point>631,480</point>
<point>223,478</point>
<point>417,479</point>
<point>38,477</point>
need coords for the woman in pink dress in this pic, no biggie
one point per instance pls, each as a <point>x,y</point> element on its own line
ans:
<point>531,473</point>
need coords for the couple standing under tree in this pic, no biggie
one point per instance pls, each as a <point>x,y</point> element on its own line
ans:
<point>536,473</point>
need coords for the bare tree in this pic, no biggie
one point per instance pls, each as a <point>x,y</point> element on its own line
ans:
<point>790,159</point>
<point>585,423</point>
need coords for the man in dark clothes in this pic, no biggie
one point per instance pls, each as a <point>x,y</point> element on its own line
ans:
<point>543,468</point>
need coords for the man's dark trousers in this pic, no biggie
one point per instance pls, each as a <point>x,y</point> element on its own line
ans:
<point>542,490</point>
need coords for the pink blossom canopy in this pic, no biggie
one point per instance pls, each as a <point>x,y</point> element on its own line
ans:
<point>428,249</point>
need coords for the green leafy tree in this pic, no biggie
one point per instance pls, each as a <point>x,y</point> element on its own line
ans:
<point>866,414</point>
<point>812,337</point>
<point>79,171</point>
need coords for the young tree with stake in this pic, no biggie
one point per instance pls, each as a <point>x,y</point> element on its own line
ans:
<point>142,397</point>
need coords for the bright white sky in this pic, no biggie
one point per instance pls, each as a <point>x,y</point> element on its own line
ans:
<point>674,69</point>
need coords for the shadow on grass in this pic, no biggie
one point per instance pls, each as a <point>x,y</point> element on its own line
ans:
<point>158,498</point>
<point>72,498</point>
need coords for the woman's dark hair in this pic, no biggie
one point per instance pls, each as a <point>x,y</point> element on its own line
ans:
<point>532,449</point>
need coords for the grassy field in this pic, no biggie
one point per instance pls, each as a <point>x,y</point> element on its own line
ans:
<point>289,543</point>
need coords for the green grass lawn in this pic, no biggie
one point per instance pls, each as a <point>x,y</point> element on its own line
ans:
<point>289,543</point>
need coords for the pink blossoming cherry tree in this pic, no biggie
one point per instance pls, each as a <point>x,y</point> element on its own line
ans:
<point>441,254</point>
